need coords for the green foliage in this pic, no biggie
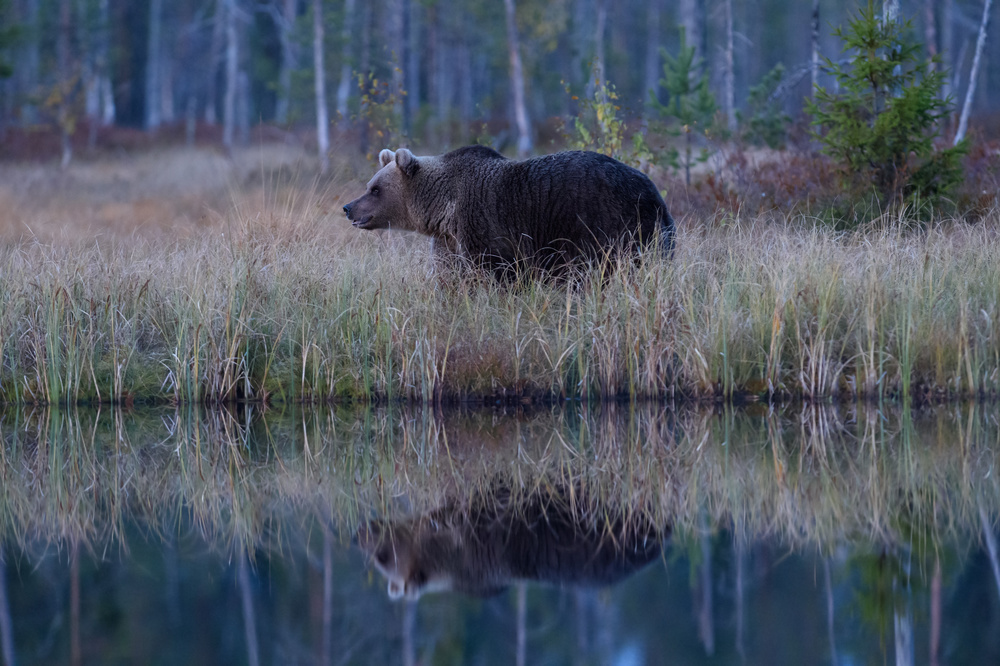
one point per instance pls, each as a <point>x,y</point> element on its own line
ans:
<point>380,115</point>
<point>690,108</point>
<point>881,125</point>
<point>598,127</point>
<point>764,122</point>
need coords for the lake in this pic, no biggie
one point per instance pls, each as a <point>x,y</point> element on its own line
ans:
<point>615,533</point>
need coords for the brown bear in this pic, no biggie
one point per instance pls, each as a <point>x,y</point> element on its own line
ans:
<point>543,214</point>
<point>482,547</point>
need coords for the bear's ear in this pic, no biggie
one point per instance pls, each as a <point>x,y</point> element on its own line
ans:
<point>385,157</point>
<point>407,162</point>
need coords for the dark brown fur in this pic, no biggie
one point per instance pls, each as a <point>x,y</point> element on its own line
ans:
<point>494,541</point>
<point>542,213</point>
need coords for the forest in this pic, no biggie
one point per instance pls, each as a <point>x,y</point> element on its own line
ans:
<point>434,73</point>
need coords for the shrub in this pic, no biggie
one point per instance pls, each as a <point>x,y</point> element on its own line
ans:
<point>882,124</point>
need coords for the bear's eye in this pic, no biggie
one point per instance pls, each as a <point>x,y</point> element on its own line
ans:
<point>375,191</point>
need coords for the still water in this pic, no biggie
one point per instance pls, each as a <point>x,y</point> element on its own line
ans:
<point>616,534</point>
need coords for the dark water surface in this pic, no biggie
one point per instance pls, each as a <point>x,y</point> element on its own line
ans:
<point>618,534</point>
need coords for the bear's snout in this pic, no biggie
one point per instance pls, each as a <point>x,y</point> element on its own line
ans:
<point>347,209</point>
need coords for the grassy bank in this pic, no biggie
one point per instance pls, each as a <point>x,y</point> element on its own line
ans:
<point>275,298</point>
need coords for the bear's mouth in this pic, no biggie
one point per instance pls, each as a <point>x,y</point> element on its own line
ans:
<point>363,222</point>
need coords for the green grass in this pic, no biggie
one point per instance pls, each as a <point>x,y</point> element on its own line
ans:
<point>280,301</point>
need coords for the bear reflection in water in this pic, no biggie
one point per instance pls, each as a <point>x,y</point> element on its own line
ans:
<point>496,539</point>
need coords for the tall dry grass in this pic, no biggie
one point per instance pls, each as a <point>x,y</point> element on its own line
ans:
<point>275,298</point>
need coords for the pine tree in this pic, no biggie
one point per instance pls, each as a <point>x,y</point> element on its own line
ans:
<point>882,123</point>
<point>691,106</point>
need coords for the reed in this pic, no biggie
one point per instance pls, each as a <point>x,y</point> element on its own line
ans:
<point>275,300</point>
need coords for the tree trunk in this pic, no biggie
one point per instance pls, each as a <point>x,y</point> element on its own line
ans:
<point>289,11</point>
<point>970,93</point>
<point>344,88</point>
<point>890,11</point>
<point>322,114</point>
<point>412,64</point>
<point>214,52</point>
<point>31,59</point>
<point>91,99</point>
<point>442,69</point>
<point>692,19</point>
<point>651,82</point>
<point>948,46</point>
<point>729,73</point>
<point>65,111</point>
<point>103,64</point>
<point>600,79</point>
<point>364,67</point>
<point>154,66</point>
<point>517,82</point>
<point>396,32</point>
<point>232,76</point>
<point>930,30</point>
<point>815,48</point>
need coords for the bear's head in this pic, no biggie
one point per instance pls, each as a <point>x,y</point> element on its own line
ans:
<point>410,556</point>
<point>383,205</point>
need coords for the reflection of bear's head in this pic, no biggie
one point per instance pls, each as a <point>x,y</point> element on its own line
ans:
<point>383,205</point>
<point>406,556</point>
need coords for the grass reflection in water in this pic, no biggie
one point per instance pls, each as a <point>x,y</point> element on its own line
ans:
<point>886,500</point>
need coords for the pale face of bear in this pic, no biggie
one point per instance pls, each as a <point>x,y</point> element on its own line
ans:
<point>383,205</point>
<point>397,557</point>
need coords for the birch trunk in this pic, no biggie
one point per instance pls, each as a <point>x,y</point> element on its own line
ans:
<point>103,60</point>
<point>930,31</point>
<point>364,67</point>
<point>232,76</point>
<point>890,11</point>
<point>815,47</point>
<point>729,74</point>
<point>948,46</point>
<point>288,14</point>
<point>84,40</point>
<point>64,112</point>
<point>970,93</point>
<point>344,88</point>
<point>153,66</point>
<point>517,82</point>
<point>322,114</point>
<point>651,81</point>
<point>600,79</point>
<point>412,64</point>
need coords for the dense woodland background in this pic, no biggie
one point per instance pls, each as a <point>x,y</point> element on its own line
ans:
<point>436,72</point>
